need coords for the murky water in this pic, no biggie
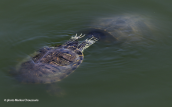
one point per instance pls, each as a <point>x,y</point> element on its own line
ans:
<point>135,73</point>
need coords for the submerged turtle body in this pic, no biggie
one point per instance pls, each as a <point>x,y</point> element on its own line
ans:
<point>52,64</point>
<point>121,28</point>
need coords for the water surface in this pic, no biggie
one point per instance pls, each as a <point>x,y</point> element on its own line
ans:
<point>131,74</point>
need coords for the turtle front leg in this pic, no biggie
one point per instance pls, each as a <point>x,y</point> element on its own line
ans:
<point>88,42</point>
<point>74,38</point>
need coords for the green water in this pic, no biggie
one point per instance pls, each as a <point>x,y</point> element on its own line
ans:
<point>131,74</point>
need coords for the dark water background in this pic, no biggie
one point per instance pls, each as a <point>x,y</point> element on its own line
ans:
<point>132,74</point>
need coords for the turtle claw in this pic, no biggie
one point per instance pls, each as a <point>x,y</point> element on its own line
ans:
<point>74,38</point>
<point>92,40</point>
<point>77,37</point>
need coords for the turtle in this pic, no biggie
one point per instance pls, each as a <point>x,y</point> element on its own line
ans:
<point>120,28</point>
<point>52,64</point>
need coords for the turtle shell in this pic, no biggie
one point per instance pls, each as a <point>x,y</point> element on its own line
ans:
<point>121,28</point>
<point>49,65</point>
